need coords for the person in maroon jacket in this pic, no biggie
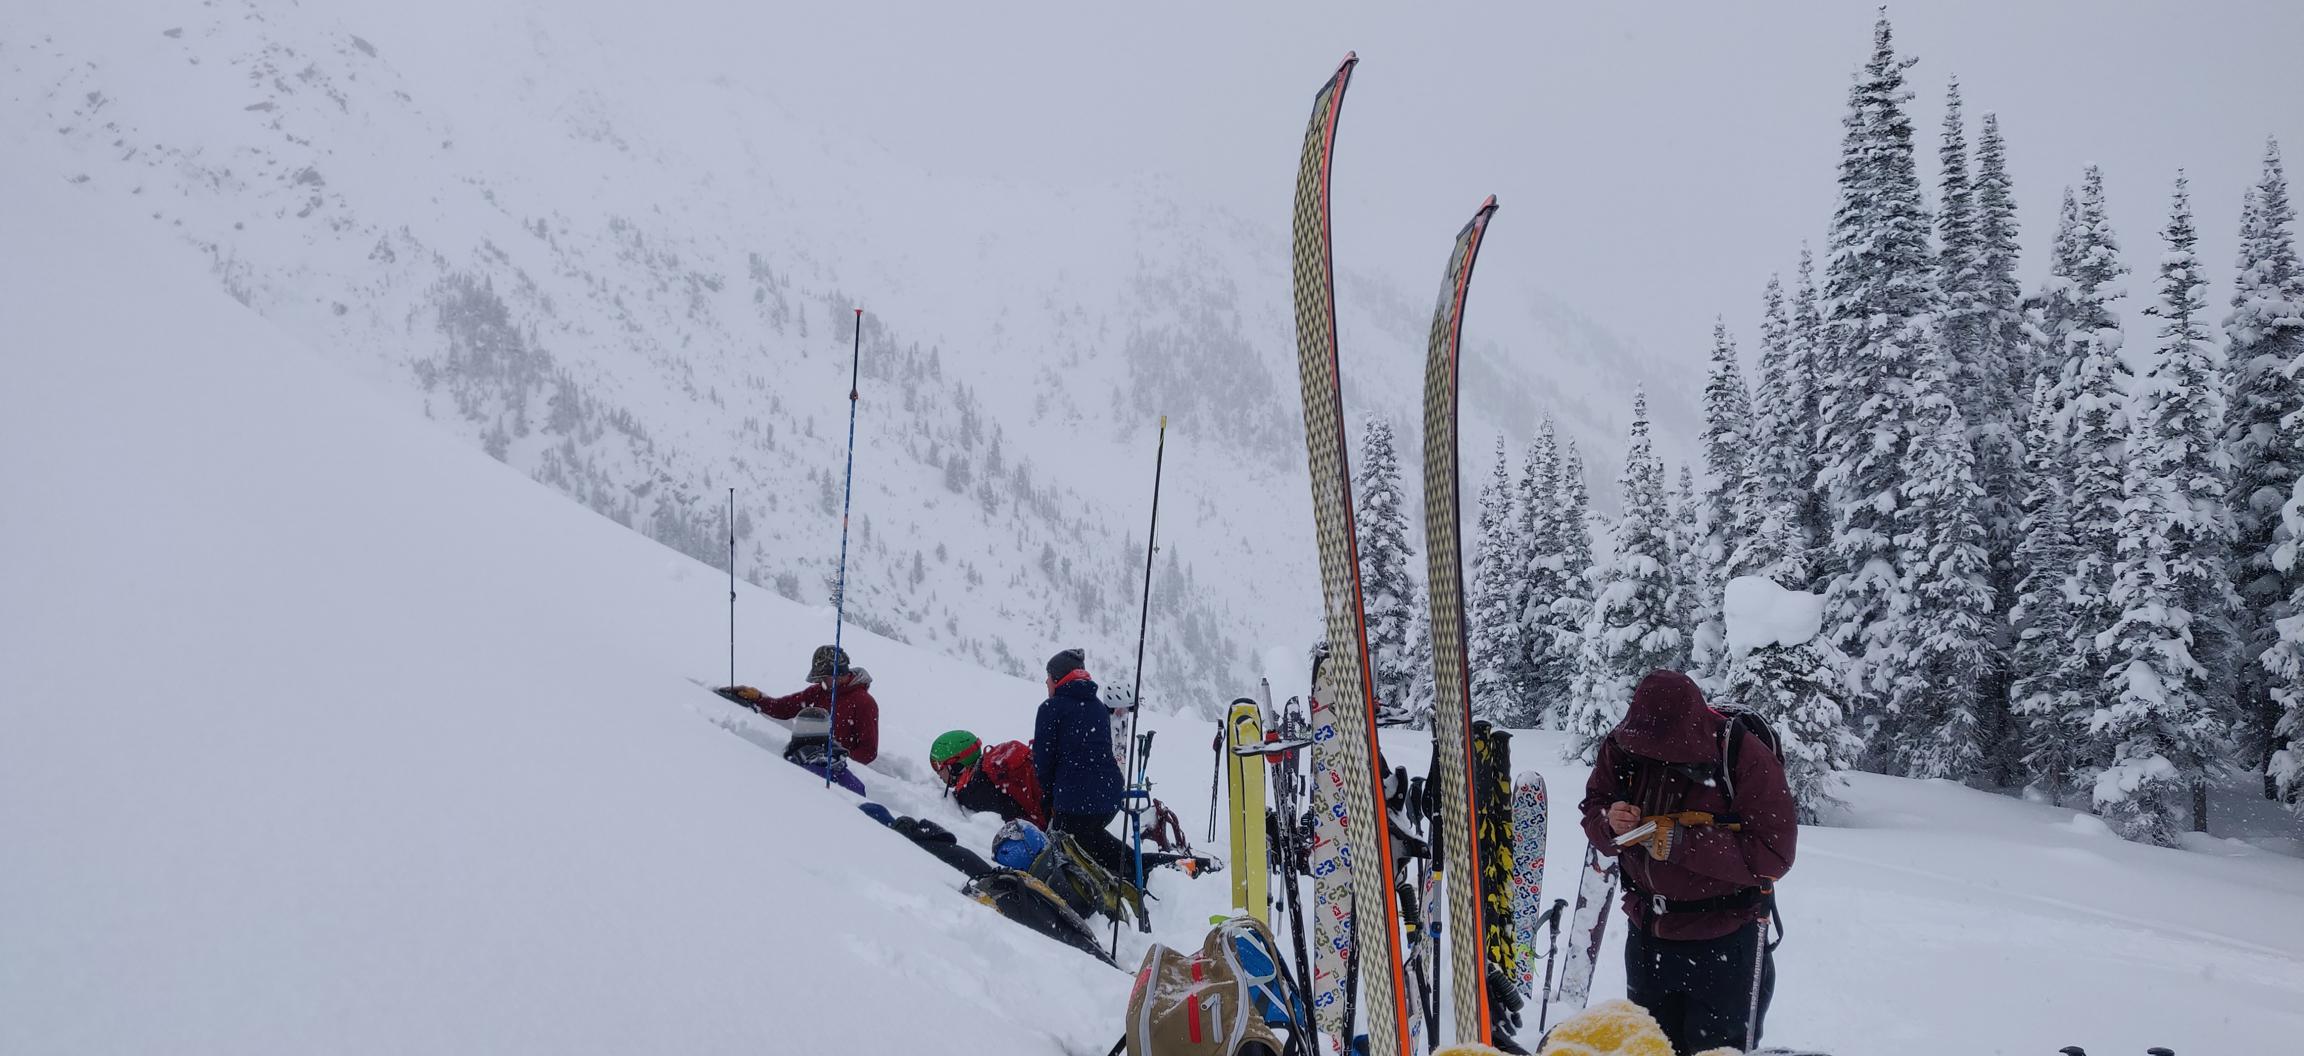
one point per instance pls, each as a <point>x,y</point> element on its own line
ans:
<point>855,715</point>
<point>1711,841</point>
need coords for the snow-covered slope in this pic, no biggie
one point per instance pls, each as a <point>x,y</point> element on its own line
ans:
<point>327,734</point>
<point>633,280</point>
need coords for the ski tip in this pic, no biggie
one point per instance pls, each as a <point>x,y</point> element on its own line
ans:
<point>1487,206</point>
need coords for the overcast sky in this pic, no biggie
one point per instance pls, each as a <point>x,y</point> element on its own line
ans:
<point>1654,161</point>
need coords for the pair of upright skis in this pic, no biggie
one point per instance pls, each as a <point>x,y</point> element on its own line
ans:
<point>1348,686</point>
<point>1352,846</point>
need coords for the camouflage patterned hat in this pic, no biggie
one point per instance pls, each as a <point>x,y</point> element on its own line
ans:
<point>829,660</point>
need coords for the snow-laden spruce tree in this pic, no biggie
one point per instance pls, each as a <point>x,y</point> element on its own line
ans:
<point>1493,640</point>
<point>1421,695</point>
<point>1999,304</point>
<point>1941,645</point>
<point>1631,629</point>
<point>1880,301</point>
<point>2167,719</point>
<point>1562,572</point>
<point>1999,440</point>
<point>2173,586</point>
<point>2049,311</point>
<point>1536,523</point>
<point>1387,589</point>
<point>2266,441</point>
<point>1777,485</point>
<point>1781,668</point>
<point>1692,575</point>
<point>2092,411</point>
<point>1803,365</point>
<point>1734,498</point>
<point>1778,457</point>
<point>1536,519</point>
<point>1977,365</point>
<point>2049,680</point>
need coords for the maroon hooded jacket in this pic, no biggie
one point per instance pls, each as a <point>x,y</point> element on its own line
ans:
<point>1669,723</point>
<point>855,721</point>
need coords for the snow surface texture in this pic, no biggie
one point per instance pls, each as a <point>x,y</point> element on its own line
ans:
<point>632,277</point>
<point>1761,613</point>
<point>329,734</point>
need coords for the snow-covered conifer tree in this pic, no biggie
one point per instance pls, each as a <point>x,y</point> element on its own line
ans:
<point>1561,577</point>
<point>1803,352</point>
<point>1631,629</point>
<point>2048,679</point>
<point>1734,501</point>
<point>1493,639</point>
<point>2164,719</point>
<point>1941,644</point>
<point>1998,437</point>
<point>1775,406</point>
<point>2266,441</point>
<point>1997,422</point>
<point>1976,374</point>
<point>1387,590</point>
<point>1692,578</point>
<point>1770,542</point>
<point>1880,295</point>
<point>1536,520</point>
<point>2092,411</point>
<point>1732,439</point>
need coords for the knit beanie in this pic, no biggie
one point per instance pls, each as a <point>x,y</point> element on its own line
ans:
<point>1066,662</point>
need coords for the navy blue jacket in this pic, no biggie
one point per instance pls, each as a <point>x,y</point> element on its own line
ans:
<point>1072,752</point>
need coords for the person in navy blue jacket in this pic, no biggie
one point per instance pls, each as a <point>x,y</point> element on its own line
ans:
<point>1072,754</point>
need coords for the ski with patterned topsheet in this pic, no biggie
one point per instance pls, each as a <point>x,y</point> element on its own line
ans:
<point>1531,817</point>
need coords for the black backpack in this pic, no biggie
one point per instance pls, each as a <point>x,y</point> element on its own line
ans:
<point>1742,720</point>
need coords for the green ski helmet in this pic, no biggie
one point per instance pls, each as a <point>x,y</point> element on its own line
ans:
<point>953,753</point>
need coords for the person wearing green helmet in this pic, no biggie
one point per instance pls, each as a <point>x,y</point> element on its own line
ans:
<point>995,780</point>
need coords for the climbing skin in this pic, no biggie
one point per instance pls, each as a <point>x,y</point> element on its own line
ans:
<point>1610,1028</point>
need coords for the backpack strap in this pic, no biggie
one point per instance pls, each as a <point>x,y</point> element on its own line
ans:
<point>1731,746</point>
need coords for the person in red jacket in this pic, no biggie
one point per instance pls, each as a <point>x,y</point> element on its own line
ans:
<point>855,715</point>
<point>998,780</point>
<point>1699,877</point>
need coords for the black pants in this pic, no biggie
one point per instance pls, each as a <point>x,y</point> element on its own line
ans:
<point>1095,837</point>
<point>1701,992</point>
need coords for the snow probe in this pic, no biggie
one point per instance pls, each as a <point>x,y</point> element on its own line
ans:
<point>840,584</point>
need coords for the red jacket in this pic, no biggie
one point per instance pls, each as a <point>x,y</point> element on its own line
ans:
<point>1667,724</point>
<point>1006,768</point>
<point>855,722</point>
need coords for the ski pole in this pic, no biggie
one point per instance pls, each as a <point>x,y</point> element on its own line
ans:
<point>1759,968</point>
<point>731,586</point>
<point>840,583</point>
<point>1215,777</point>
<point>1136,695</point>
<point>1551,917</point>
<point>1144,613</point>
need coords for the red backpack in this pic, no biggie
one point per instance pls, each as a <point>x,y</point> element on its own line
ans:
<point>1008,765</point>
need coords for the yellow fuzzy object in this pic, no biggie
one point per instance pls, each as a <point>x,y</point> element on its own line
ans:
<point>1469,1050</point>
<point>1611,1028</point>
